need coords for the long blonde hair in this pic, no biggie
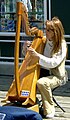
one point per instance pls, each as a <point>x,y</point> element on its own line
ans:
<point>57,27</point>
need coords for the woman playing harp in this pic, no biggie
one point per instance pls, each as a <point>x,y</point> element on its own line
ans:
<point>53,59</point>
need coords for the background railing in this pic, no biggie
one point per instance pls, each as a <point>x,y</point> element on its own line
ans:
<point>7,52</point>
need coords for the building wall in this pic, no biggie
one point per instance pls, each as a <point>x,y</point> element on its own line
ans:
<point>61,9</point>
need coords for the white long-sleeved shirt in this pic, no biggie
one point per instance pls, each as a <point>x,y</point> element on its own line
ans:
<point>55,63</point>
<point>47,60</point>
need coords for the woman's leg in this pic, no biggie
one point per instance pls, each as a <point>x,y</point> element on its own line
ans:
<point>45,84</point>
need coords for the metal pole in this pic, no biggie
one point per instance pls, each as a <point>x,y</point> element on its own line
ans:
<point>45,10</point>
<point>49,9</point>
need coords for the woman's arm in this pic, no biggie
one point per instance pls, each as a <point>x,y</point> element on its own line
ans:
<point>52,62</point>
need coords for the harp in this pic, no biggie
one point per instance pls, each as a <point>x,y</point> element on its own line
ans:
<point>23,87</point>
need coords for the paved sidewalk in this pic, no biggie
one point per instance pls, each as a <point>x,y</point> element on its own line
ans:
<point>62,95</point>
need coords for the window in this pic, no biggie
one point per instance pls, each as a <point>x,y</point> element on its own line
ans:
<point>7,15</point>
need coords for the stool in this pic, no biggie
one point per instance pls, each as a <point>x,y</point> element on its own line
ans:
<point>56,101</point>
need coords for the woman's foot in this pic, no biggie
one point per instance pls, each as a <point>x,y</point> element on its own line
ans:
<point>51,115</point>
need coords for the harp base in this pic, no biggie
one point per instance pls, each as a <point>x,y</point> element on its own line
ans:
<point>33,107</point>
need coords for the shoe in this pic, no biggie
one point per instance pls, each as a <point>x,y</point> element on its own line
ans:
<point>51,115</point>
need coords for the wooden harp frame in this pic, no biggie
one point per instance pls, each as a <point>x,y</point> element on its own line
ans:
<point>24,74</point>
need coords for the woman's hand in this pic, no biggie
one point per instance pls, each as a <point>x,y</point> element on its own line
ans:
<point>25,47</point>
<point>32,52</point>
